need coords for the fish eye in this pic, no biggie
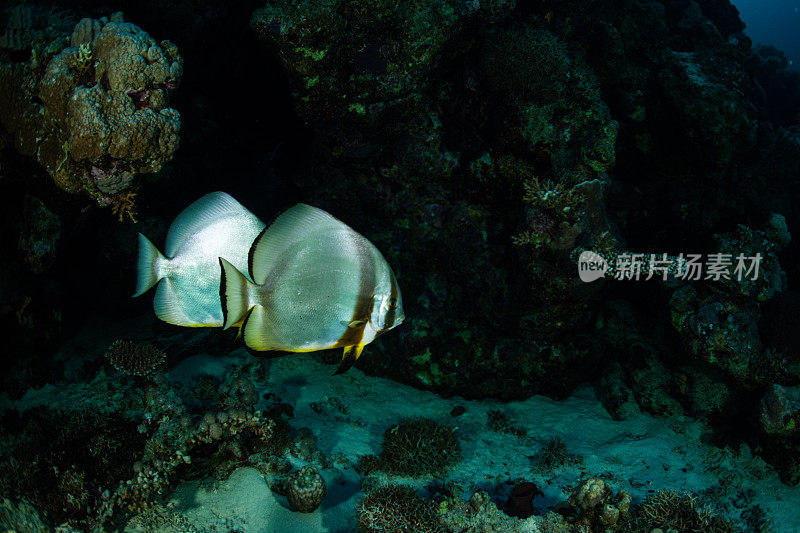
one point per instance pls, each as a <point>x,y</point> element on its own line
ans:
<point>392,304</point>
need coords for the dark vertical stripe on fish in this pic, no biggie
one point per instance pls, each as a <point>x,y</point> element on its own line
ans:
<point>222,298</point>
<point>251,253</point>
<point>391,313</point>
<point>366,289</point>
<point>243,327</point>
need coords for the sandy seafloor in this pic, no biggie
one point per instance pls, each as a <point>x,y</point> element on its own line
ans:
<point>641,454</point>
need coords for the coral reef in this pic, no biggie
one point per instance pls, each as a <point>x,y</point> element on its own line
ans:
<point>181,439</point>
<point>30,24</point>
<point>305,489</point>
<point>720,325</point>
<point>93,109</point>
<point>458,141</point>
<point>68,462</point>
<point>84,467</point>
<point>396,508</point>
<point>157,517</point>
<point>238,393</point>
<point>779,418</point>
<point>416,447</point>
<point>670,510</point>
<point>41,229</point>
<point>681,78</point>
<point>598,507</point>
<point>175,443</point>
<point>20,517</point>
<point>780,411</point>
<point>479,513</point>
<point>483,146</point>
<point>135,359</point>
<point>554,454</point>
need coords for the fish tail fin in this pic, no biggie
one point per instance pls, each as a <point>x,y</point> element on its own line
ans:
<point>350,356</point>
<point>235,292</point>
<point>149,266</point>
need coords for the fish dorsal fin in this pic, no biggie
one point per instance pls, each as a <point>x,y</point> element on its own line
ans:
<point>292,226</point>
<point>205,210</point>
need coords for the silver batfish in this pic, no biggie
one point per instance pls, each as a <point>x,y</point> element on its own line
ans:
<point>188,274</point>
<point>317,284</point>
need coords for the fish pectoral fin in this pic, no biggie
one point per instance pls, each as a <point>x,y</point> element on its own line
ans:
<point>355,324</point>
<point>350,356</point>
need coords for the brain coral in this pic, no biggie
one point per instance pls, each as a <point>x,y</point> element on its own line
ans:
<point>96,113</point>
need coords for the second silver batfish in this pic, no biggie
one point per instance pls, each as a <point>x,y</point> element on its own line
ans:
<point>318,284</point>
<point>188,276</point>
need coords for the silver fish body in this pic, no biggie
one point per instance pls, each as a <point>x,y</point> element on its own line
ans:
<point>188,275</point>
<point>317,284</point>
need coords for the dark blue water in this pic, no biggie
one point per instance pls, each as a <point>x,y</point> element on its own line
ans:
<point>774,22</point>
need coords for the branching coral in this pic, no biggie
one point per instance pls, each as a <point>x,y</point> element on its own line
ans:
<point>500,422</point>
<point>86,467</point>
<point>543,76</point>
<point>554,454</point>
<point>419,446</point>
<point>135,359</point>
<point>396,508</point>
<point>124,205</point>
<point>668,509</point>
